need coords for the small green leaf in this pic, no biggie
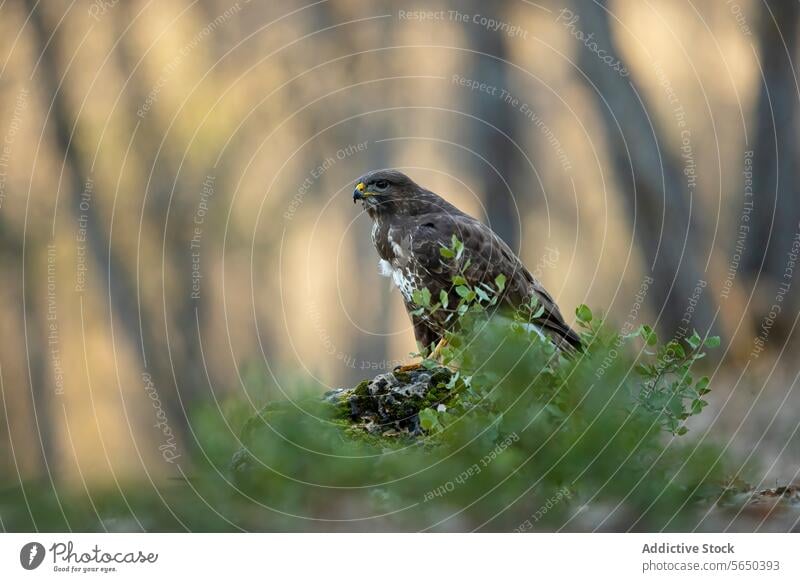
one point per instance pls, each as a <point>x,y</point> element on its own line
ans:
<point>429,364</point>
<point>458,246</point>
<point>681,431</point>
<point>459,280</point>
<point>675,350</point>
<point>428,419</point>
<point>583,313</point>
<point>702,386</point>
<point>648,335</point>
<point>453,380</point>
<point>443,298</point>
<point>712,342</point>
<point>446,253</point>
<point>500,281</point>
<point>421,297</point>
<point>698,406</point>
<point>694,340</point>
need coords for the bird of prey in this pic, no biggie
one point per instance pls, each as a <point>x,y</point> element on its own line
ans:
<point>410,227</point>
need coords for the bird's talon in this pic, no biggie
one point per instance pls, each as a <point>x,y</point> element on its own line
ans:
<point>408,367</point>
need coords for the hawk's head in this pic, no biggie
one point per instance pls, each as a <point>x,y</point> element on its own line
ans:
<point>389,192</point>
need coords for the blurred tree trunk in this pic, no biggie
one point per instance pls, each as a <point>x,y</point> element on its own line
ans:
<point>168,197</point>
<point>367,349</point>
<point>649,178</point>
<point>34,322</point>
<point>116,272</point>
<point>30,436</point>
<point>494,132</point>
<point>776,201</point>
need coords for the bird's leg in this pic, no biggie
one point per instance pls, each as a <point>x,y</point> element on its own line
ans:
<point>437,351</point>
<point>435,355</point>
<point>408,367</point>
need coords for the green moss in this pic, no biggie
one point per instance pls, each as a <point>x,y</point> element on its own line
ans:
<point>342,409</point>
<point>362,388</point>
<point>436,395</point>
<point>359,399</point>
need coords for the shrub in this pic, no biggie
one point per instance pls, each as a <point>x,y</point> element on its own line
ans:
<point>530,438</point>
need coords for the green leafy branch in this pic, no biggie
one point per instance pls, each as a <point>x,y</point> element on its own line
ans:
<point>664,385</point>
<point>668,387</point>
<point>471,301</point>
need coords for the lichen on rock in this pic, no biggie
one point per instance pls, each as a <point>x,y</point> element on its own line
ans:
<point>389,404</point>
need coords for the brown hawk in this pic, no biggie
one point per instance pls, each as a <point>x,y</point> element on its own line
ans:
<point>410,227</point>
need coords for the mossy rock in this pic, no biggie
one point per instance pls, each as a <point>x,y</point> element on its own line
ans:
<point>381,412</point>
<point>389,404</point>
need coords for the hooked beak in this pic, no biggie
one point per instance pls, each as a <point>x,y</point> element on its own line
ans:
<point>360,192</point>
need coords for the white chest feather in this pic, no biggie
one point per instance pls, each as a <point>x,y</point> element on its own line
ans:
<point>375,227</point>
<point>397,249</point>
<point>400,277</point>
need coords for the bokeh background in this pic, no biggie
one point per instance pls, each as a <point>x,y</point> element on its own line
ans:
<point>176,225</point>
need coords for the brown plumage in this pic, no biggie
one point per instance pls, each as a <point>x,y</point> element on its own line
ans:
<point>411,225</point>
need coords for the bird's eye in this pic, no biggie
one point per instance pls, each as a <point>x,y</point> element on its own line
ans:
<point>381,185</point>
